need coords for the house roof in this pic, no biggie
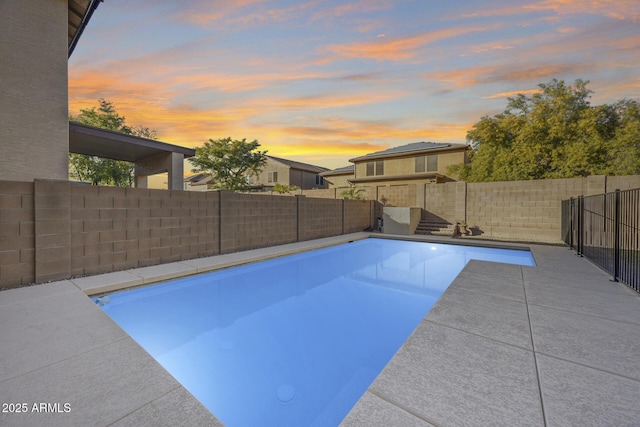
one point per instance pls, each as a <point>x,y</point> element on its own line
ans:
<point>345,170</point>
<point>412,148</point>
<point>199,179</point>
<point>94,141</point>
<point>299,165</point>
<point>80,12</point>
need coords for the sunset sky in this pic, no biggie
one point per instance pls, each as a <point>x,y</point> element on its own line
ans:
<point>325,81</point>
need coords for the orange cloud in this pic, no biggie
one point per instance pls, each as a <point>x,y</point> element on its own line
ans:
<point>328,100</point>
<point>617,9</point>
<point>514,73</point>
<point>242,14</point>
<point>398,49</point>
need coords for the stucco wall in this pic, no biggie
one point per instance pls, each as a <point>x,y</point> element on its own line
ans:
<point>399,166</point>
<point>338,181</point>
<point>270,167</point>
<point>34,120</point>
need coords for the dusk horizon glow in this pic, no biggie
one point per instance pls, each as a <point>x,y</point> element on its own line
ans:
<point>322,82</point>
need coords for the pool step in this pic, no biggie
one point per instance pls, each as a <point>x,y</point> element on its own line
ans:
<point>438,227</point>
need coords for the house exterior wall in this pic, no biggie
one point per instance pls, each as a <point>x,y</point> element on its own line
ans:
<point>304,179</point>
<point>188,186</point>
<point>402,166</point>
<point>270,167</point>
<point>286,176</point>
<point>338,181</point>
<point>33,82</point>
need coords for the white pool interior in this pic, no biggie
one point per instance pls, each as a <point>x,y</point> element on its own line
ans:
<point>295,340</point>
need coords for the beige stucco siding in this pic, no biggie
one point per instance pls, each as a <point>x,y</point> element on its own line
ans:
<point>286,176</point>
<point>270,167</point>
<point>33,82</point>
<point>398,166</point>
<point>303,179</point>
<point>338,181</point>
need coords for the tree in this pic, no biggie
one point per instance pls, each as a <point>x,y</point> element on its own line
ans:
<point>556,133</point>
<point>98,170</point>
<point>229,162</point>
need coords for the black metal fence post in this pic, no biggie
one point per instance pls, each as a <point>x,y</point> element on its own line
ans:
<point>616,238</point>
<point>571,207</point>
<point>580,225</point>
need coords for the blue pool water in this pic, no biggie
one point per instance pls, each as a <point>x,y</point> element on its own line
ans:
<point>293,341</point>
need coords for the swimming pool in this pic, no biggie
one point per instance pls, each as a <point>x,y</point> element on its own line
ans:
<point>295,340</point>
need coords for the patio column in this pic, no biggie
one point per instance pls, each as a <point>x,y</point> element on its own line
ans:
<point>172,163</point>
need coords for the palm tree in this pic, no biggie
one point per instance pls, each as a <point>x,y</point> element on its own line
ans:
<point>352,193</point>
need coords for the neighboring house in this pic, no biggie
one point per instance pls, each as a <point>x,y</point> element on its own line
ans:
<point>199,182</point>
<point>289,172</point>
<point>419,162</point>
<point>339,178</point>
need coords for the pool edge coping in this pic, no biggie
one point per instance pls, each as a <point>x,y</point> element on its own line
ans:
<point>101,284</point>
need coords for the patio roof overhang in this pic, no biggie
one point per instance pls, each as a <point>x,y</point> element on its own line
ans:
<point>94,141</point>
<point>151,157</point>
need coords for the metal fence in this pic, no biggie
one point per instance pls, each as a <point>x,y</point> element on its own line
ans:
<point>605,228</point>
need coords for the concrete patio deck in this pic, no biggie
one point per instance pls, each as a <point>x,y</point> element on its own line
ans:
<point>555,345</point>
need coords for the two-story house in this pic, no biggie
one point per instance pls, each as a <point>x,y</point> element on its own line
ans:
<point>419,162</point>
<point>289,172</point>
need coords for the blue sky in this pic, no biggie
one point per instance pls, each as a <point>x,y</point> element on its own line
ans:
<point>325,81</point>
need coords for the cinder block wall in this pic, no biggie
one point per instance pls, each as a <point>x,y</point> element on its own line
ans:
<point>255,221</point>
<point>120,228</point>
<point>17,234</point>
<point>52,230</point>
<point>515,210</point>
<point>321,193</point>
<point>358,215</point>
<point>522,210</point>
<point>622,182</point>
<point>319,218</point>
<point>398,195</point>
<point>440,201</point>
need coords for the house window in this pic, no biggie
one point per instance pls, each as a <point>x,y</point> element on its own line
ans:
<point>432,163</point>
<point>375,168</point>
<point>319,180</point>
<point>272,177</point>
<point>370,169</point>
<point>419,164</point>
